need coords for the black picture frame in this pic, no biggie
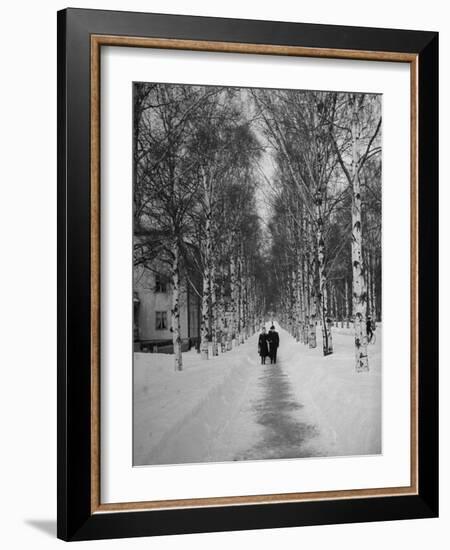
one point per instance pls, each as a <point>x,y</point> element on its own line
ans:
<point>76,521</point>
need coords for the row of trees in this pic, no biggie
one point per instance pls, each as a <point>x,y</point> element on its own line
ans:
<point>327,156</point>
<point>194,206</point>
<point>303,240</point>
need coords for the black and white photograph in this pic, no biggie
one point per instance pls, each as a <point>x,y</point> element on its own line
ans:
<point>224,286</point>
<point>257,273</point>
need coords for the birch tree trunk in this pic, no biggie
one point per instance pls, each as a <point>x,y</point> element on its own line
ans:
<point>241,299</point>
<point>175,312</point>
<point>237,302</point>
<point>323,292</point>
<point>300,300</point>
<point>347,312</point>
<point>368,284</point>
<point>245,307</point>
<point>306,283</point>
<point>335,307</point>
<point>307,299</point>
<point>214,314</point>
<point>232,324</point>
<point>359,290</point>
<point>312,339</point>
<point>222,310</point>
<point>206,297</point>
<point>247,298</point>
<point>253,306</point>
<point>300,277</point>
<point>373,305</point>
<point>293,305</point>
<point>375,293</point>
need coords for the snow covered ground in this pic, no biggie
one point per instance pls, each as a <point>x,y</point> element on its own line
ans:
<point>345,405</point>
<point>233,408</point>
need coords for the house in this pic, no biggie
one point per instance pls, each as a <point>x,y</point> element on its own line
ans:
<point>152,304</point>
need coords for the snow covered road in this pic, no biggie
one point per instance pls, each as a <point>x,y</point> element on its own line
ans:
<point>233,408</point>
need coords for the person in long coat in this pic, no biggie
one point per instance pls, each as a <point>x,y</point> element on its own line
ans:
<point>263,347</point>
<point>273,339</point>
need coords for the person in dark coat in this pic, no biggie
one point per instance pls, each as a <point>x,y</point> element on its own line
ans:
<point>274,341</point>
<point>369,328</point>
<point>263,347</point>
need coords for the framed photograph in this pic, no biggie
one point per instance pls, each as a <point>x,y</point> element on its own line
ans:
<point>247,256</point>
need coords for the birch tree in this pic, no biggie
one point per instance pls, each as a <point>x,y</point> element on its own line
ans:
<point>164,186</point>
<point>354,146</point>
<point>296,126</point>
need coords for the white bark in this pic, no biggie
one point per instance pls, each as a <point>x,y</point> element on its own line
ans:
<point>373,304</point>
<point>323,291</point>
<point>222,310</point>
<point>214,313</point>
<point>245,307</point>
<point>240,336</point>
<point>175,312</point>
<point>312,339</point>
<point>306,283</point>
<point>232,323</point>
<point>374,291</point>
<point>204,336</point>
<point>237,303</point>
<point>293,304</point>
<point>300,301</point>
<point>253,306</point>
<point>359,290</point>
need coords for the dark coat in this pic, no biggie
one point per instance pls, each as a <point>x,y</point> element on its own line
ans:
<point>263,348</point>
<point>274,339</point>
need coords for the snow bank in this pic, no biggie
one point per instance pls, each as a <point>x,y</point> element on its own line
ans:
<point>179,416</point>
<point>346,405</point>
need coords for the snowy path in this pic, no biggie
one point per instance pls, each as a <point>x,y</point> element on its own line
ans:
<point>286,431</point>
<point>233,408</point>
<point>269,421</point>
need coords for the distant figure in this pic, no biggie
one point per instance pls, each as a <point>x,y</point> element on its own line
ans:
<point>274,341</point>
<point>369,328</point>
<point>263,348</point>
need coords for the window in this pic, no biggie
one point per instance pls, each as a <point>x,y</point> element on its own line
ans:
<point>161,320</point>
<point>160,283</point>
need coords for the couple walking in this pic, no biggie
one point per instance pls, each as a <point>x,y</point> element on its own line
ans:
<point>268,344</point>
